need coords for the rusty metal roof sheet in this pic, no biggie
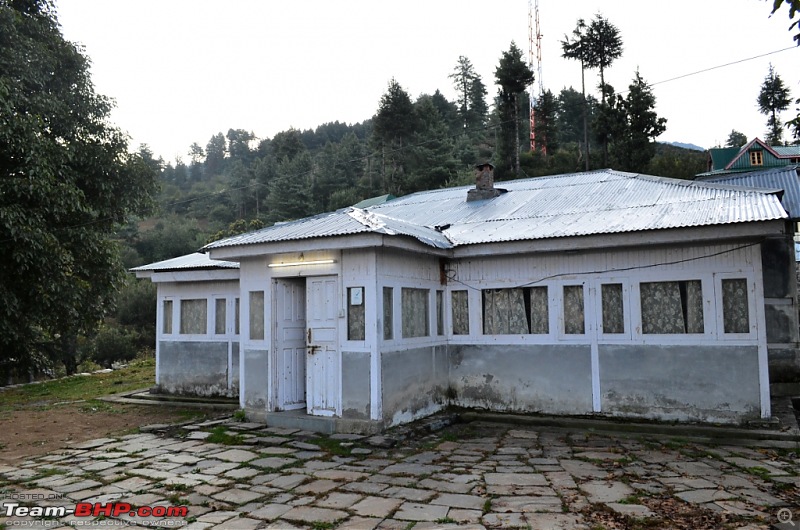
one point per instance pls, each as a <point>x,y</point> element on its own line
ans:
<point>596,202</point>
<point>195,261</point>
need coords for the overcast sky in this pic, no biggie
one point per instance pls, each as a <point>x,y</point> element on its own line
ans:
<point>181,71</point>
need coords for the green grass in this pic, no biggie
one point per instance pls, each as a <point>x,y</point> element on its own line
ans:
<point>240,415</point>
<point>138,374</point>
<point>445,520</point>
<point>220,436</point>
<point>321,525</point>
<point>333,447</point>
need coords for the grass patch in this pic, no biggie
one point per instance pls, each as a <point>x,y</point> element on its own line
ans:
<point>49,472</point>
<point>759,472</point>
<point>177,500</point>
<point>220,436</point>
<point>330,446</point>
<point>240,415</point>
<point>178,487</point>
<point>631,499</point>
<point>410,525</point>
<point>138,374</point>
<point>96,406</point>
<point>445,520</point>
<point>321,525</point>
<point>487,506</point>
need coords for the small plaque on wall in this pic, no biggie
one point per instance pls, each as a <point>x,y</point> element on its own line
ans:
<point>356,295</point>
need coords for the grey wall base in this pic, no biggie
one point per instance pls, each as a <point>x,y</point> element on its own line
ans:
<point>194,369</point>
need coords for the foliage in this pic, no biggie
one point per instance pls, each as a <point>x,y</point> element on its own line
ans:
<point>736,139</point>
<point>513,76</point>
<point>634,125</point>
<point>546,122</point>
<point>471,92</point>
<point>772,99</point>
<point>114,345</point>
<point>67,181</point>
<point>794,8</point>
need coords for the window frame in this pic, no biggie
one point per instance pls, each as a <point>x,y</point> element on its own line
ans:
<point>627,335</point>
<point>556,295</point>
<point>751,306</point>
<point>181,301</point>
<point>757,158</point>
<point>707,288</point>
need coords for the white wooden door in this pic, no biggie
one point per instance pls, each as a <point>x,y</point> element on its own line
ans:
<point>322,368</point>
<point>290,298</point>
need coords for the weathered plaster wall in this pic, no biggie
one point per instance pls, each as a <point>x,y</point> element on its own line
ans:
<point>414,383</point>
<point>356,385</point>
<point>685,383</point>
<point>194,368</point>
<point>553,379</point>
<point>254,383</point>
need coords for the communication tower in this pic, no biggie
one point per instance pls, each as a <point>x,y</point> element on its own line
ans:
<point>535,43</point>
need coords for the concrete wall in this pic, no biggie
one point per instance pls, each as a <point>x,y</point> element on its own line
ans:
<point>414,383</point>
<point>356,385</point>
<point>194,368</point>
<point>553,379</point>
<point>254,382</point>
<point>685,383</point>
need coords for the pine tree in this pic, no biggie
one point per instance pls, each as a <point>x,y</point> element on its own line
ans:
<point>773,98</point>
<point>514,76</point>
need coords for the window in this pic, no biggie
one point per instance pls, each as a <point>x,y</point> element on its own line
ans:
<point>388,313</point>
<point>574,321</point>
<point>756,158</point>
<point>236,316</point>
<point>460,303</point>
<point>167,317</point>
<point>516,311</point>
<point>672,307</point>
<point>416,312</point>
<point>220,316</point>
<point>613,309</point>
<point>439,312</point>
<point>355,313</point>
<point>735,309</point>
<point>194,317</point>
<point>256,315</point>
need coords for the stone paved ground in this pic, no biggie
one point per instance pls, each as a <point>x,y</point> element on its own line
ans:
<point>476,475</point>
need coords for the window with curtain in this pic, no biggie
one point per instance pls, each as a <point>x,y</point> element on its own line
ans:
<point>574,322</point>
<point>416,312</point>
<point>388,313</point>
<point>460,309</point>
<point>613,309</point>
<point>735,308</point>
<point>256,315</point>
<point>672,307</point>
<point>220,306</point>
<point>166,315</point>
<point>194,315</point>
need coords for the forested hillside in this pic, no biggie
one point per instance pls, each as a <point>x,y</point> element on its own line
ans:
<point>237,181</point>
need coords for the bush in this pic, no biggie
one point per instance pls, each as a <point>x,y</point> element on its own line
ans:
<point>114,345</point>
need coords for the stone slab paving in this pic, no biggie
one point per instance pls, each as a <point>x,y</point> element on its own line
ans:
<point>475,475</point>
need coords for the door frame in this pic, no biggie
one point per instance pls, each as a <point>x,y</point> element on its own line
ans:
<point>336,364</point>
<point>276,371</point>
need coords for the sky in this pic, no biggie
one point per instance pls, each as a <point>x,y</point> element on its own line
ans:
<point>181,71</point>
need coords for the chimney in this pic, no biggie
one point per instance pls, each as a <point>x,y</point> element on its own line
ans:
<point>484,184</point>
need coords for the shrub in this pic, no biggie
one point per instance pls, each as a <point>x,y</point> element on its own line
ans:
<point>113,345</point>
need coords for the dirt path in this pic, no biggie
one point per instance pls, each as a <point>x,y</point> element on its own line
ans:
<point>37,430</point>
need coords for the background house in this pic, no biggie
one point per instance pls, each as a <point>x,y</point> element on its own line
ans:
<point>197,330</point>
<point>755,155</point>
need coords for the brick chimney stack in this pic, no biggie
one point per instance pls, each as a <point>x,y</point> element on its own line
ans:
<point>484,184</point>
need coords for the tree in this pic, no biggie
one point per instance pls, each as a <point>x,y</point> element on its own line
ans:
<point>772,99</point>
<point>603,46</point>
<point>546,131</point>
<point>736,139</point>
<point>576,48</point>
<point>393,130</point>
<point>471,92</point>
<point>67,181</point>
<point>216,150</point>
<point>635,126</point>
<point>794,8</point>
<point>514,76</point>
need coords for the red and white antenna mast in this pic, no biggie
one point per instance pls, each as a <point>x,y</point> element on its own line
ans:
<point>535,42</point>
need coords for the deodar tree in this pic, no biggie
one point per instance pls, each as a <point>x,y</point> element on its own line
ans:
<point>67,181</point>
<point>772,99</point>
<point>513,76</point>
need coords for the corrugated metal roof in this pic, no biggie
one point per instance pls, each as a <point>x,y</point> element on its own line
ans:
<point>787,150</point>
<point>597,202</point>
<point>189,262</point>
<point>783,178</point>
